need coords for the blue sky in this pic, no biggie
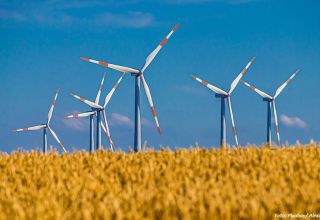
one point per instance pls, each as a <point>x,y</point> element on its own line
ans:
<point>41,42</point>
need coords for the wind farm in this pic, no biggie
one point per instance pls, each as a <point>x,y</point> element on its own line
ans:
<point>98,110</point>
<point>158,114</point>
<point>108,171</point>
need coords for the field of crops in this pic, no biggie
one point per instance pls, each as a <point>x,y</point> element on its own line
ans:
<point>182,184</point>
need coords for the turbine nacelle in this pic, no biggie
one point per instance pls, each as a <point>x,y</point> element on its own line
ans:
<point>137,74</point>
<point>268,99</point>
<point>97,109</point>
<point>221,95</point>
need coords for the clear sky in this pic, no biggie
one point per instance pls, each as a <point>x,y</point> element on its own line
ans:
<point>41,42</point>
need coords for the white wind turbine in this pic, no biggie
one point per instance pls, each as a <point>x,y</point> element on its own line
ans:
<point>271,105</point>
<point>45,127</point>
<point>138,74</point>
<point>96,109</point>
<point>219,93</point>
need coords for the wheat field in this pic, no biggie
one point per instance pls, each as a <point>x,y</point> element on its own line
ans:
<point>196,183</point>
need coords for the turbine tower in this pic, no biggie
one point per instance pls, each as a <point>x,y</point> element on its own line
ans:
<point>138,74</point>
<point>45,127</point>
<point>96,109</point>
<point>219,93</point>
<point>271,105</point>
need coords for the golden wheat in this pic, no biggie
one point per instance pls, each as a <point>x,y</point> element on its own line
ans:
<point>247,183</point>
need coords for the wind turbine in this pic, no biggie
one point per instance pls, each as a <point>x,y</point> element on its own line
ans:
<point>138,74</point>
<point>271,105</point>
<point>96,109</point>
<point>219,93</point>
<point>45,127</point>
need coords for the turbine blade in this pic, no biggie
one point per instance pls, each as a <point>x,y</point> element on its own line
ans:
<point>122,69</point>
<point>52,106</point>
<point>80,115</point>
<point>57,139</point>
<point>262,94</point>
<point>147,90</point>
<point>33,128</point>
<point>237,79</point>
<point>91,104</point>
<point>276,121</point>
<point>232,121</point>
<point>100,89</point>
<point>209,86</point>
<point>279,90</point>
<point>108,97</point>
<point>106,130</point>
<point>154,53</point>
